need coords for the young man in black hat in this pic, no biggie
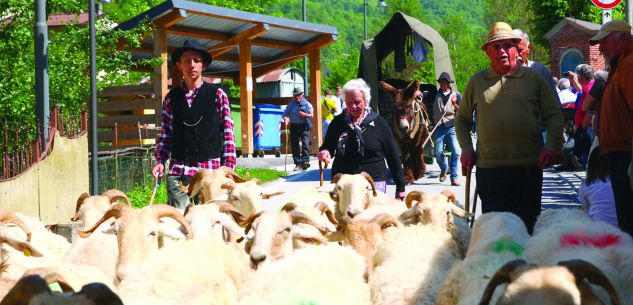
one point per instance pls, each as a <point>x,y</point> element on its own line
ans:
<point>197,129</point>
<point>298,113</point>
<point>445,106</point>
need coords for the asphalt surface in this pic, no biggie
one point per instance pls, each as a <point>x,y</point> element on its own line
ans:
<point>560,189</point>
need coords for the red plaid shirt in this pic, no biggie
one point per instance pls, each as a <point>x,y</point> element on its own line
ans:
<point>165,140</point>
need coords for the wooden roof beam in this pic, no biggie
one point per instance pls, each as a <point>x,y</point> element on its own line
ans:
<point>230,57</point>
<point>170,18</point>
<point>215,35</point>
<point>231,43</point>
<point>292,56</point>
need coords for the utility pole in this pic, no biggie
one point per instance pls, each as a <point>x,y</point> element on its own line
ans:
<point>42,108</point>
<point>93,101</point>
<point>629,12</point>
<point>305,58</point>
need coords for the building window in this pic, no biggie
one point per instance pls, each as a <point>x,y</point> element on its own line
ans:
<point>569,60</point>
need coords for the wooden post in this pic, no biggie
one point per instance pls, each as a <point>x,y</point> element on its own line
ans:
<point>246,96</point>
<point>159,79</point>
<point>315,98</point>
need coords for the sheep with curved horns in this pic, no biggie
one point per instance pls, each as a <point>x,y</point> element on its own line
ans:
<point>566,234</point>
<point>137,232</point>
<point>354,193</point>
<point>317,275</point>
<point>41,241</point>
<point>497,238</point>
<point>89,209</point>
<point>275,233</point>
<point>99,249</point>
<point>208,182</point>
<point>562,284</point>
<point>216,220</point>
<point>437,210</point>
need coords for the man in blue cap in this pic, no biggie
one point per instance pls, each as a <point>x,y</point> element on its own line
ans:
<point>298,113</point>
<point>197,129</point>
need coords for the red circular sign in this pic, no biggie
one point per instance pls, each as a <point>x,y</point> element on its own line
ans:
<point>606,4</point>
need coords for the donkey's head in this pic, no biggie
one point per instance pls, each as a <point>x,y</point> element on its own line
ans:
<point>406,103</point>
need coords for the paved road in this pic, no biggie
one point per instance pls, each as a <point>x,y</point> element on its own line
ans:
<point>560,189</point>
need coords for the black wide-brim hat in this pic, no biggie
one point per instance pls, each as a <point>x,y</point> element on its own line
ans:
<point>192,45</point>
<point>445,76</point>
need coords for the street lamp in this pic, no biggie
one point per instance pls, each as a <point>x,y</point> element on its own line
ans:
<point>381,4</point>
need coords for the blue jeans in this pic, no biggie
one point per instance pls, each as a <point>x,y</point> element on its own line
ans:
<point>443,133</point>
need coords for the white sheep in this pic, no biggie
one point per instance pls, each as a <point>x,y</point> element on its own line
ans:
<point>317,275</point>
<point>274,235</point>
<point>410,265</point>
<point>247,196</point>
<point>566,234</point>
<point>215,220</point>
<point>197,271</point>
<point>138,232</point>
<point>208,182</point>
<point>497,238</point>
<point>563,283</point>
<point>354,193</point>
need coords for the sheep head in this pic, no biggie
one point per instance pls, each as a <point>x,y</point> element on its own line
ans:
<point>274,233</point>
<point>247,196</point>
<point>365,235</point>
<point>352,193</point>
<point>90,208</point>
<point>207,183</point>
<point>562,284</point>
<point>433,209</point>
<point>137,233</point>
<point>217,220</point>
<point>7,216</point>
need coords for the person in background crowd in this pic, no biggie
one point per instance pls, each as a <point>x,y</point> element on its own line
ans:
<point>196,129</point>
<point>525,47</point>
<point>299,113</point>
<point>616,114</point>
<point>338,99</point>
<point>584,79</point>
<point>445,105</point>
<point>361,140</point>
<point>328,109</point>
<point>555,80</point>
<point>510,101</point>
<point>595,193</point>
<point>565,95</point>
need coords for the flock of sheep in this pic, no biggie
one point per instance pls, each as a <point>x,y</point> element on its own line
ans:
<point>343,243</point>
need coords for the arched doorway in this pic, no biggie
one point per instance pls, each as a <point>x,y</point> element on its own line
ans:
<point>569,60</point>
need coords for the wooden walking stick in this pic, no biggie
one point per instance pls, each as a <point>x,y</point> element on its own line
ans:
<point>472,219</point>
<point>156,182</point>
<point>286,157</point>
<point>321,167</point>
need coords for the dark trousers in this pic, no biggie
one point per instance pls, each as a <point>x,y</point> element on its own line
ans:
<point>511,189</point>
<point>582,144</point>
<point>175,196</point>
<point>299,133</point>
<point>618,167</point>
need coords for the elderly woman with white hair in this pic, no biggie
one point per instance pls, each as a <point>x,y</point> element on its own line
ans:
<point>361,140</point>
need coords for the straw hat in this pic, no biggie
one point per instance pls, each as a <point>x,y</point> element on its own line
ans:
<point>500,31</point>
<point>608,28</point>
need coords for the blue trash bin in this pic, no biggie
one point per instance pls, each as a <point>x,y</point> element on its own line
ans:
<point>266,118</point>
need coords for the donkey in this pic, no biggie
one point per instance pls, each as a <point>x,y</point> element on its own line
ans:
<point>410,122</point>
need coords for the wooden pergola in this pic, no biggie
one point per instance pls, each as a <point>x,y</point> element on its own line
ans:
<point>244,46</point>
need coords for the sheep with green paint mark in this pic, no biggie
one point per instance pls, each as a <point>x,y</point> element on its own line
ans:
<point>497,238</point>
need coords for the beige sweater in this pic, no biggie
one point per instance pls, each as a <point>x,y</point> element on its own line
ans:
<point>508,110</point>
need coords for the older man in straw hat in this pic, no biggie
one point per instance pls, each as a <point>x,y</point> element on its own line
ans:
<point>616,114</point>
<point>508,100</point>
<point>197,129</point>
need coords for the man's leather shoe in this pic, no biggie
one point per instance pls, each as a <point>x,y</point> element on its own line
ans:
<point>306,166</point>
<point>297,168</point>
<point>443,176</point>
<point>455,182</point>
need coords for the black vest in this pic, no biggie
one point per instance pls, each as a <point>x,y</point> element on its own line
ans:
<point>196,129</point>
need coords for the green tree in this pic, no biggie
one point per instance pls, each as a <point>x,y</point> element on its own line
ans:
<point>68,58</point>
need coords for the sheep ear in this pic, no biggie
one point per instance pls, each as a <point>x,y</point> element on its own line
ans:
<point>449,194</point>
<point>308,236</point>
<point>267,196</point>
<point>385,221</point>
<point>228,186</point>
<point>502,276</point>
<point>585,270</point>
<point>229,224</point>
<point>288,207</point>
<point>110,229</point>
